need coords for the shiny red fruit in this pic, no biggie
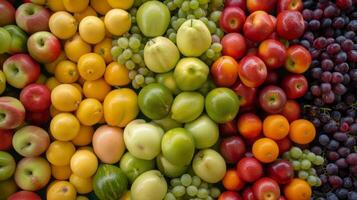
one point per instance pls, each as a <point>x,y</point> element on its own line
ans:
<point>296,5</point>
<point>232,149</point>
<point>224,71</point>
<point>228,128</point>
<point>252,71</point>
<point>24,195</point>
<point>292,110</point>
<point>36,97</point>
<point>250,169</point>
<point>258,26</point>
<point>247,95</point>
<point>248,194</point>
<point>272,99</point>
<point>284,145</point>
<point>281,171</point>
<point>294,86</point>
<point>266,189</point>
<point>232,19</point>
<point>290,25</point>
<point>230,195</point>
<point>273,53</point>
<point>6,139</point>
<point>234,45</point>
<point>265,5</point>
<point>236,3</point>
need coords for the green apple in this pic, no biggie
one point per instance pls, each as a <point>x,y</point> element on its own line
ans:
<point>153,18</point>
<point>169,169</point>
<point>133,167</point>
<point>178,146</point>
<point>149,185</point>
<point>7,188</point>
<point>143,139</point>
<point>193,38</point>
<point>190,74</point>
<point>167,123</point>
<point>7,165</point>
<point>204,130</point>
<point>182,109</point>
<point>18,39</point>
<point>161,55</point>
<point>167,79</point>
<point>2,82</point>
<point>5,40</point>
<point>209,166</point>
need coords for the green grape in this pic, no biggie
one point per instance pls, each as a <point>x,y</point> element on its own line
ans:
<point>170,196</point>
<point>303,174</point>
<point>178,2</point>
<point>132,74</point>
<point>312,171</point>
<point>137,58</point>
<point>185,6</point>
<point>137,36</point>
<point>134,29</point>
<point>215,16</point>
<point>215,192</point>
<point>140,79</point>
<point>172,37</point>
<point>196,181</point>
<point>210,53</point>
<point>121,59</point>
<point>186,180</point>
<point>318,182</point>
<point>135,84</point>
<point>199,12</point>
<point>149,80</point>
<point>170,30</point>
<point>306,151</point>
<point>194,4</point>
<point>175,182</point>
<point>173,18</point>
<point>202,193</point>
<point>134,43</point>
<point>311,156</point>
<point>191,190</point>
<point>115,42</point>
<point>209,198</point>
<point>219,33</point>
<point>305,164</point>
<point>142,64</point>
<point>203,1</point>
<point>175,25</point>
<point>286,155</point>
<point>296,165</point>
<point>295,152</point>
<point>133,11</point>
<point>179,191</point>
<point>127,53</point>
<point>116,51</point>
<point>312,180</point>
<point>171,6</point>
<point>212,26</point>
<point>180,21</point>
<point>204,185</point>
<point>204,20</point>
<point>191,16</point>
<point>216,47</point>
<point>181,13</point>
<point>204,6</point>
<point>129,64</point>
<point>133,19</point>
<point>143,71</point>
<point>319,160</point>
<point>123,42</point>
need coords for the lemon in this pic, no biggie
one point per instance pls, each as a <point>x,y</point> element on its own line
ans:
<point>89,11</point>
<point>75,5</point>
<point>63,25</point>
<point>123,4</point>
<point>115,17</point>
<point>92,29</point>
<point>76,47</point>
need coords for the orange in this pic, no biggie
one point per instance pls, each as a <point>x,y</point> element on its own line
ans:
<point>232,181</point>
<point>66,72</point>
<point>265,150</point>
<point>89,11</point>
<point>97,89</point>
<point>103,48</point>
<point>76,47</point>
<point>84,136</point>
<point>275,127</point>
<point>123,4</point>
<point>117,74</point>
<point>302,131</point>
<point>91,66</point>
<point>249,125</point>
<point>298,189</point>
<point>101,6</point>
<point>79,87</point>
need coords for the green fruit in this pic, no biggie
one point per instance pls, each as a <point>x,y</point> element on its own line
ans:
<point>149,185</point>
<point>161,55</point>
<point>109,182</point>
<point>155,101</point>
<point>5,40</point>
<point>153,18</point>
<point>182,109</point>
<point>169,169</point>
<point>2,82</point>
<point>18,39</point>
<point>167,79</point>
<point>204,131</point>
<point>190,74</point>
<point>133,167</point>
<point>7,188</point>
<point>178,146</point>
<point>222,105</point>
<point>209,166</point>
<point>207,87</point>
<point>167,123</point>
<point>193,38</point>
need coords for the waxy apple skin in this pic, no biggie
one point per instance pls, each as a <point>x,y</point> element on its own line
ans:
<point>258,26</point>
<point>290,25</point>
<point>272,99</point>
<point>273,53</point>
<point>266,188</point>
<point>298,59</point>
<point>18,39</point>
<point>5,139</point>
<point>12,113</point>
<point>32,18</point>
<point>252,71</point>
<point>44,47</point>
<point>234,45</point>
<point>281,171</point>
<point>36,97</point>
<point>7,13</point>
<point>24,195</point>
<point>295,5</point>
<point>295,86</point>
<point>7,165</point>
<point>232,19</point>
<point>247,95</point>
<point>265,5</point>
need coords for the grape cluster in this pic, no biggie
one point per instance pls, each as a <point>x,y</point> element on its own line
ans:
<point>191,187</point>
<point>303,163</point>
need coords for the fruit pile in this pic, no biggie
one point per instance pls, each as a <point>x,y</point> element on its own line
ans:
<point>178,99</point>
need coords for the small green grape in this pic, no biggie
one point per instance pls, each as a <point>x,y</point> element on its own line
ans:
<point>137,58</point>
<point>130,65</point>
<point>194,4</point>
<point>116,51</point>
<point>140,79</point>
<point>196,181</point>
<point>202,193</point>
<point>204,20</point>
<point>215,192</point>
<point>179,191</point>
<point>215,16</point>
<point>319,160</point>
<point>295,152</point>
<point>121,59</point>
<point>303,174</point>
<point>185,6</point>
<point>170,196</point>
<point>123,42</point>
<point>204,185</point>
<point>296,165</point>
<point>210,53</point>
<point>178,2</point>
<point>191,190</point>
<point>190,16</point>
<point>203,1</point>
<point>171,6</point>
<point>175,182</point>
<point>186,180</point>
<point>127,53</point>
<point>199,12</point>
<point>149,80</point>
<point>132,74</point>
<point>143,71</point>
<point>134,29</point>
<point>134,43</point>
<point>305,164</point>
<point>216,47</point>
<point>312,180</point>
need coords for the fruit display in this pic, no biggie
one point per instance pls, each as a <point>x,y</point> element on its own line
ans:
<point>178,100</point>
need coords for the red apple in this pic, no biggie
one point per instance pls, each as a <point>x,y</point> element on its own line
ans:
<point>284,145</point>
<point>230,195</point>
<point>44,47</point>
<point>12,113</point>
<point>236,3</point>
<point>252,71</point>
<point>272,99</point>
<point>234,45</point>
<point>281,171</point>
<point>228,128</point>
<point>7,13</point>
<point>32,18</point>
<point>258,26</point>
<point>232,149</point>
<point>294,86</point>
<point>248,194</point>
<point>232,19</point>
<point>296,5</point>
<point>272,78</point>
<point>264,5</point>
<point>247,95</point>
<point>266,189</point>
<point>38,118</point>
<point>298,59</point>
<point>250,169</point>
<point>224,71</point>
<point>292,110</point>
<point>290,25</point>
<point>36,97</point>
<point>273,53</point>
<point>5,139</point>
<point>24,195</point>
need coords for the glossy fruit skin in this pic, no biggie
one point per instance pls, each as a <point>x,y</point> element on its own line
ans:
<point>133,167</point>
<point>24,195</point>
<point>266,188</point>
<point>19,39</point>
<point>47,51</point>
<point>168,169</point>
<point>209,165</point>
<point>232,181</point>
<point>290,25</point>
<point>236,3</point>
<point>7,15</point>
<point>258,26</point>
<point>230,195</point>
<point>249,125</point>
<point>298,189</point>
<point>265,5</point>
<point>149,185</point>
<point>291,110</point>
<point>232,149</point>
<point>155,101</point>
<point>284,145</point>
<point>296,5</point>
<point>190,74</point>
<point>36,97</point>
<point>265,150</point>
<point>109,182</point>
<point>275,127</point>
<point>281,171</point>
<point>232,19</point>
<point>252,71</point>
<point>167,80</point>
<point>14,112</point>
<point>249,169</point>
<point>222,105</point>
<point>273,53</point>
<point>224,71</point>
<point>272,99</point>
<point>182,110</point>
<point>248,194</point>
<point>295,86</point>
<point>234,45</point>
<point>5,139</point>
<point>298,59</point>
<point>228,128</point>
<point>32,23</point>
<point>247,95</point>
<point>302,131</point>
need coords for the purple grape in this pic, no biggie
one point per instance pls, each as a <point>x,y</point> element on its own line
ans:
<point>317,14</point>
<point>350,142</point>
<point>315,54</point>
<point>309,36</point>
<point>338,23</point>
<point>353,170</point>
<point>347,182</point>
<point>344,151</point>
<point>316,122</point>
<point>341,193</point>
<point>341,163</point>
<point>353,74</point>
<point>327,64</point>
<point>315,90</point>
<point>330,11</point>
<point>320,43</point>
<point>347,45</point>
<point>341,137</point>
<point>326,22</point>
<point>353,129</point>
<point>352,195</point>
<point>333,48</point>
<point>328,97</point>
<point>340,57</point>
<point>352,159</point>
<point>335,181</point>
<point>352,26</point>
<point>314,25</point>
<point>316,150</point>
<point>346,79</point>
<point>337,77</point>
<point>352,56</point>
<point>331,169</point>
<point>326,77</point>
<point>333,156</point>
<point>333,145</point>
<point>350,34</point>
<point>339,89</point>
<point>305,43</point>
<point>323,178</point>
<point>342,68</point>
<point>340,39</point>
<point>324,140</point>
<point>325,87</point>
<point>324,55</point>
<point>331,196</point>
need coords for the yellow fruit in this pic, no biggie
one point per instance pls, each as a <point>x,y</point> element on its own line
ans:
<point>92,29</point>
<point>54,111</point>
<point>66,72</point>
<point>66,97</point>
<point>41,80</point>
<point>123,4</point>
<point>61,190</point>
<point>79,87</point>
<point>55,5</point>
<point>101,6</point>
<point>60,153</point>
<point>88,148</point>
<point>84,163</point>
<point>61,172</point>
<point>91,66</point>
<point>63,25</point>
<point>82,185</point>
<point>82,198</point>
<point>51,67</point>
<point>75,5</point>
<point>84,136</point>
<point>76,47</point>
<point>120,107</point>
<point>97,89</point>
<point>89,112</point>
<point>115,17</point>
<point>89,11</point>
<point>126,196</point>
<point>116,74</point>
<point>64,127</point>
<point>104,49</point>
